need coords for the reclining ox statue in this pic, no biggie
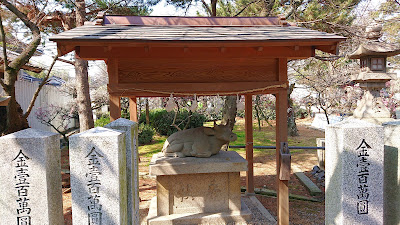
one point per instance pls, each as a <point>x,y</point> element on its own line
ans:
<point>198,142</point>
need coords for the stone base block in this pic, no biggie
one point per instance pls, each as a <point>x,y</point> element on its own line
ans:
<point>197,218</point>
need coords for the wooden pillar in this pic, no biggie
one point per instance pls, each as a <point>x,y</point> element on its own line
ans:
<point>249,144</point>
<point>115,107</point>
<point>115,102</point>
<point>281,136</point>
<point>133,109</point>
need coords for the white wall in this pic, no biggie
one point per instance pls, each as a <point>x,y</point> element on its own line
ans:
<point>48,95</point>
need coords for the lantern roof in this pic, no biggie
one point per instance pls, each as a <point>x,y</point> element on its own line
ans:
<point>375,48</point>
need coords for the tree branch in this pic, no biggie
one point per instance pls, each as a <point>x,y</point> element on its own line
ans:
<point>40,13</point>
<point>73,3</point>
<point>245,7</point>
<point>328,58</point>
<point>44,81</point>
<point>206,7</point>
<point>28,52</point>
<point>3,39</point>
<point>66,61</point>
<point>3,84</point>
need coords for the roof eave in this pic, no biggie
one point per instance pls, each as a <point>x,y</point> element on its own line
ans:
<point>325,45</point>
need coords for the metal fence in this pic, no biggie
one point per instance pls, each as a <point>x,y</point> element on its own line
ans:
<point>274,147</point>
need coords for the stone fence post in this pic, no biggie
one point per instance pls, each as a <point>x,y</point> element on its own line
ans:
<point>98,177</point>
<point>354,173</point>
<point>132,165</point>
<point>321,153</point>
<point>30,168</point>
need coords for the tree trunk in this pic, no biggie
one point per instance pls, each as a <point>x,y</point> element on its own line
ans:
<point>292,127</point>
<point>15,119</point>
<point>214,8</point>
<point>82,82</point>
<point>229,111</point>
<point>147,111</point>
<point>257,108</point>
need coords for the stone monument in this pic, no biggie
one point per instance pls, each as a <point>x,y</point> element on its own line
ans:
<point>132,162</point>
<point>354,173</point>
<point>30,168</point>
<point>98,177</point>
<point>194,190</point>
<point>372,78</point>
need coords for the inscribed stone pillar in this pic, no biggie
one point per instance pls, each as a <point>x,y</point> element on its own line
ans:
<point>392,172</point>
<point>30,190</point>
<point>132,160</point>
<point>98,177</point>
<point>354,173</point>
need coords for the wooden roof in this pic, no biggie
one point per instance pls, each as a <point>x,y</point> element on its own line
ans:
<point>133,31</point>
<point>187,33</point>
<point>155,56</point>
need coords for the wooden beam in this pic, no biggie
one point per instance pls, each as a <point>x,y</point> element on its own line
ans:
<point>133,109</point>
<point>249,144</point>
<point>137,53</point>
<point>333,49</point>
<point>112,70</point>
<point>190,70</point>
<point>115,107</point>
<point>281,136</point>
<point>190,44</point>
<point>151,94</point>
<point>164,89</point>
<point>64,49</point>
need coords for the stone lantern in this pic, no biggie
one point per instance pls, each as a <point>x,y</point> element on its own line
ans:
<point>373,75</point>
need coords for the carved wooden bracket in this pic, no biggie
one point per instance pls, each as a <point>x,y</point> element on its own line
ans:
<point>284,172</point>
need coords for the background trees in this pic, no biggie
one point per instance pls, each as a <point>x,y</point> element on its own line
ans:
<point>16,119</point>
<point>326,76</point>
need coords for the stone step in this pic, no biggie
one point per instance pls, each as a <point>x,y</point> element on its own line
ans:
<point>311,187</point>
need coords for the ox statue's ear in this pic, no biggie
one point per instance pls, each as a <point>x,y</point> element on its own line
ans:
<point>209,131</point>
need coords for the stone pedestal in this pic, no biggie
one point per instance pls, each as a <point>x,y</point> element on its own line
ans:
<point>354,173</point>
<point>198,190</point>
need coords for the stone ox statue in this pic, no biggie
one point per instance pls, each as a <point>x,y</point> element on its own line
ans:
<point>198,142</point>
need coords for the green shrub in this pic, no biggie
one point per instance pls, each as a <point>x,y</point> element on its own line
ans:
<point>161,120</point>
<point>300,113</point>
<point>146,133</point>
<point>102,121</point>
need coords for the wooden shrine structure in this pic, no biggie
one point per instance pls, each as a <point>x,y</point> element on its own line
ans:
<point>158,56</point>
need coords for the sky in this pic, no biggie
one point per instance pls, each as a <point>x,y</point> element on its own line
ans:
<point>95,67</point>
<point>161,9</point>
